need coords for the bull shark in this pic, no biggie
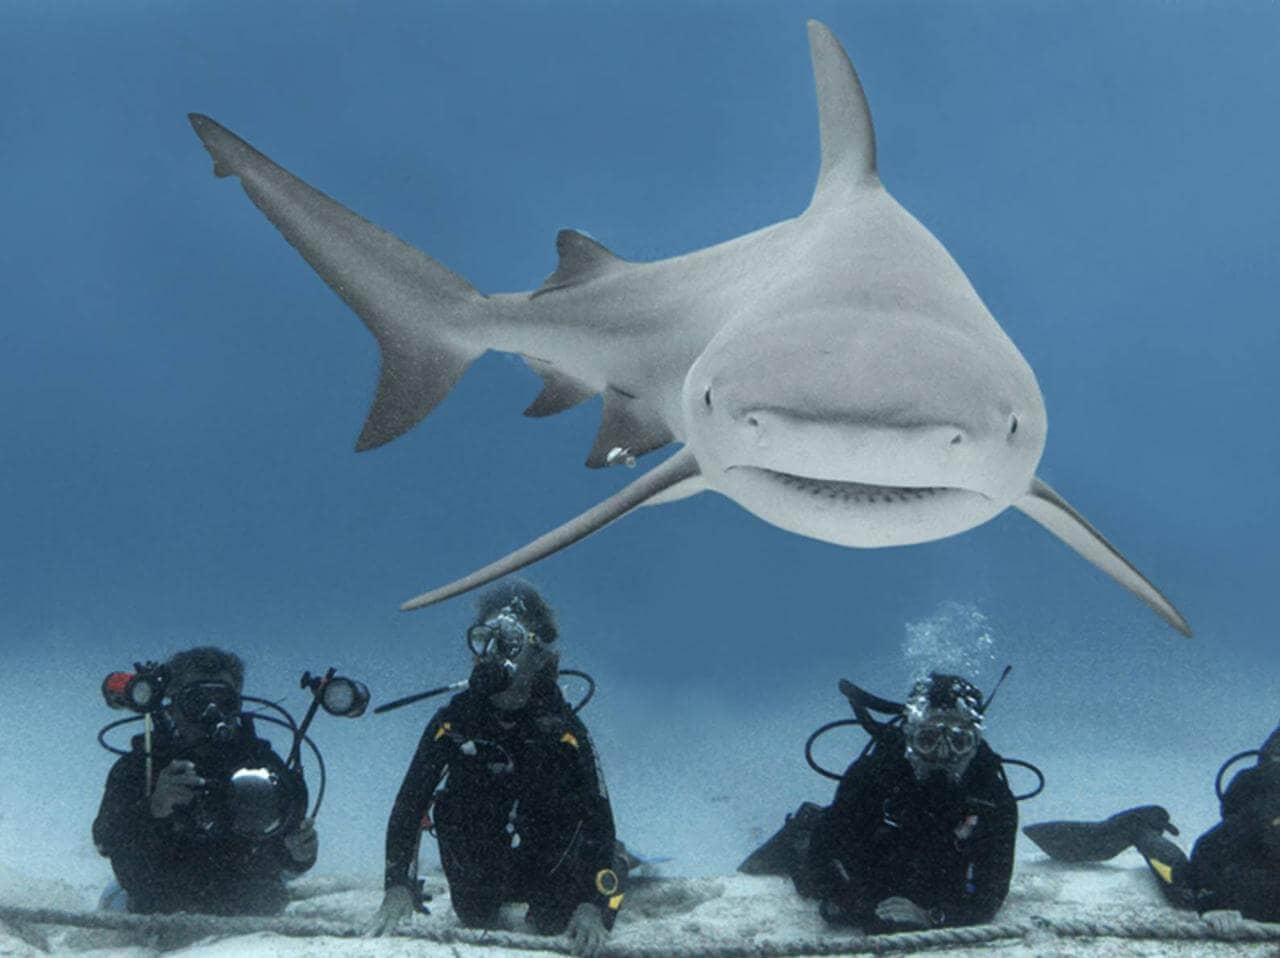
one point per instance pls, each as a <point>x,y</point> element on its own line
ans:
<point>835,374</point>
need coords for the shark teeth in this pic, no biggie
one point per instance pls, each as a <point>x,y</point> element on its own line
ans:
<point>851,491</point>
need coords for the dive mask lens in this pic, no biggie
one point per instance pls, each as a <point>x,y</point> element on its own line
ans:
<point>932,741</point>
<point>194,701</point>
<point>478,639</point>
<point>962,740</point>
<point>927,740</point>
<point>504,635</point>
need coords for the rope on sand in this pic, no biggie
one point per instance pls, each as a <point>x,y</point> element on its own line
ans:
<point>194,927</point>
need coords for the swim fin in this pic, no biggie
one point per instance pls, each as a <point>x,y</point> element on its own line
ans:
<point>784,852</point>
<point>1098,841</point>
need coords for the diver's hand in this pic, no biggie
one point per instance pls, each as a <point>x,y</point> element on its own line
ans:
<point>302,843</point>
<point>177,784</point>
<point>1227,923</point>
<point>586,931</point>
<point>397,904</point>
<point>904,913</point>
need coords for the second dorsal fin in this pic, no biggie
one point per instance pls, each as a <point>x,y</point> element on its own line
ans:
<point>581,259</point>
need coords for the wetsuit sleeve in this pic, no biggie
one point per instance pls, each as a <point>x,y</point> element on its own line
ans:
<point>836,869</point>
<point>404,828</point>
<point>126,832</point>
<point>602,883</point>
<point>990,867</point>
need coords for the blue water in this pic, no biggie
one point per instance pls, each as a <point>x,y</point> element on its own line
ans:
<point>179,394</point>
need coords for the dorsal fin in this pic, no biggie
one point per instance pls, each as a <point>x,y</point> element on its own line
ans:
<point>560,391</point>
<point>581,259</point>
<point>629,425</point>
<point>844,120</point>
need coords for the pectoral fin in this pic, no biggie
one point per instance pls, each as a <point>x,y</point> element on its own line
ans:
<point>678,468</point>
<point>1053,512</point>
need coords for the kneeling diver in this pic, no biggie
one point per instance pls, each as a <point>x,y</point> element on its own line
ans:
<point>921,832</point>
<point>1234,867</point>
<point>201,814</point>
<point>506,777</point>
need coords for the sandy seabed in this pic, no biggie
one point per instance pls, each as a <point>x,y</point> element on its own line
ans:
<point>678,916</point>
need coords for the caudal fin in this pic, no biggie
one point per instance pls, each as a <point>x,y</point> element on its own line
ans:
<point>414,307</point>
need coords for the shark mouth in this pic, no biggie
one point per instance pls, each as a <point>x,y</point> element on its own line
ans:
<point>854,492</point>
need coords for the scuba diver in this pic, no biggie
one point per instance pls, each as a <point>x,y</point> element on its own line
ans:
<point>1234,868</point>
<point>202,815</point>
<point>523,814</point>
<point>922,829</point>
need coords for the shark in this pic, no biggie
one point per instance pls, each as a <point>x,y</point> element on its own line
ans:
<point>836,374</point>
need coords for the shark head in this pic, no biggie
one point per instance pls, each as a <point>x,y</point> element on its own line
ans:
<point>864,430</point>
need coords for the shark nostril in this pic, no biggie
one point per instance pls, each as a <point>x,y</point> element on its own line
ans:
<point>957,439</point>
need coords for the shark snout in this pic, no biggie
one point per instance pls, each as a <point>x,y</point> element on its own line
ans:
<point>851,449</point>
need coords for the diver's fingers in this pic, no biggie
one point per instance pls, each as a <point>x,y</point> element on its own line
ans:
<point>182,772</point>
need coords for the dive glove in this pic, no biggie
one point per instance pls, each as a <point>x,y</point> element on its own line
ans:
<point>586,931</point>
<point>397,904</point>
<point>177,784</point>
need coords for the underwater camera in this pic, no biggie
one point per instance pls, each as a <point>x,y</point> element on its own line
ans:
<point>255,800</point>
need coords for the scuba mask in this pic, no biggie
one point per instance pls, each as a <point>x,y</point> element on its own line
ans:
<point>502,636</point>
<point>941,740</point>
<point>937,740</point>
<point>509,657</point>
<point>213,706</point>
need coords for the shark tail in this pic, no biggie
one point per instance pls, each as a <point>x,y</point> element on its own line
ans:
<point>416,308</point>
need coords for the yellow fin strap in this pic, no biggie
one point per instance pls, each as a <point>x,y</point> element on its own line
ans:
<point>615,902</point>
<point>442,731</point>
<point>1164,871</point>
<point>569,737</point>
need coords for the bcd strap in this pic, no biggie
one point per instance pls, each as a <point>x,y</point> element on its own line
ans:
<point>864,703</point>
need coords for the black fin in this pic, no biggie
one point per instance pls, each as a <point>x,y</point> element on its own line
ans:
<point>784,852</point>
<point>1097,841</point>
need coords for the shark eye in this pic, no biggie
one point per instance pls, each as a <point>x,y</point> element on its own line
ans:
<point>1013,425</point>
<point>706,397</point>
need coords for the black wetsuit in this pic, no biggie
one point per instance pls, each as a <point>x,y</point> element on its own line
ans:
<point>948,848</point>
<point>523,814</point>
<point>191,860</point>
<point>1235,864</point>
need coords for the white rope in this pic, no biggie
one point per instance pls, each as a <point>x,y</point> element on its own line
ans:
<point>193,927</point>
